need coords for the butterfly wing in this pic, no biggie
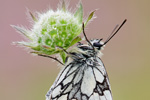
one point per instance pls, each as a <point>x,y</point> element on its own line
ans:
<point>61,89</point>
<point>81,81</point>
<point>102,90</point>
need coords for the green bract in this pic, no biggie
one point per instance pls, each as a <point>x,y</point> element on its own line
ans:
<point>54,29</point>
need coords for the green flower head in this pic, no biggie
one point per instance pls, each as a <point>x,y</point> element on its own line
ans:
<point>54,29</point>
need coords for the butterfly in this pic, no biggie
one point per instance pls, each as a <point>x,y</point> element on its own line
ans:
<point>83,76</point>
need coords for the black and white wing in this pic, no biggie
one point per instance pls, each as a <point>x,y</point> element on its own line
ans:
<point>102,82</point>
<point>81,81</point>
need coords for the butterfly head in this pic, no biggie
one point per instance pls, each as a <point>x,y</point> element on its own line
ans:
<point>97,43</point>
<point>92,48</point>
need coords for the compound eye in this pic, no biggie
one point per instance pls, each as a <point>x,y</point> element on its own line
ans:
<point>97,45</point>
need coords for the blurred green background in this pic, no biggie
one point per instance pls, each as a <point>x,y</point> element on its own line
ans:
<point>126,56</point>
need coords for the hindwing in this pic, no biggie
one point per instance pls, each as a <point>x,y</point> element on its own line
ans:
<point>85,80</point>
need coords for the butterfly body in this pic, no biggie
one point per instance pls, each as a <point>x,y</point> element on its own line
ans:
<point>83,78</point>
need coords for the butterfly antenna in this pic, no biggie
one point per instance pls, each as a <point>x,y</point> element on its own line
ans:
<point>86,37</point>
<point>112,32</point>
<point>115,32</point>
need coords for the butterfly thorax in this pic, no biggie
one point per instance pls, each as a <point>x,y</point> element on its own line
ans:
<point>84,53</point>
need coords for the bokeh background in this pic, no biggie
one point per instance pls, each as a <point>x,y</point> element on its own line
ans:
<point>126,56</point>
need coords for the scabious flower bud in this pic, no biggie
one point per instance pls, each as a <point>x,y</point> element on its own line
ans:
<point>54,29</point>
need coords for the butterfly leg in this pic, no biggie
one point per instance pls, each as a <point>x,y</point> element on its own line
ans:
<point>54,58</point>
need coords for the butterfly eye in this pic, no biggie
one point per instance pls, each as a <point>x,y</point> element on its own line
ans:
<point>97,45</point>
